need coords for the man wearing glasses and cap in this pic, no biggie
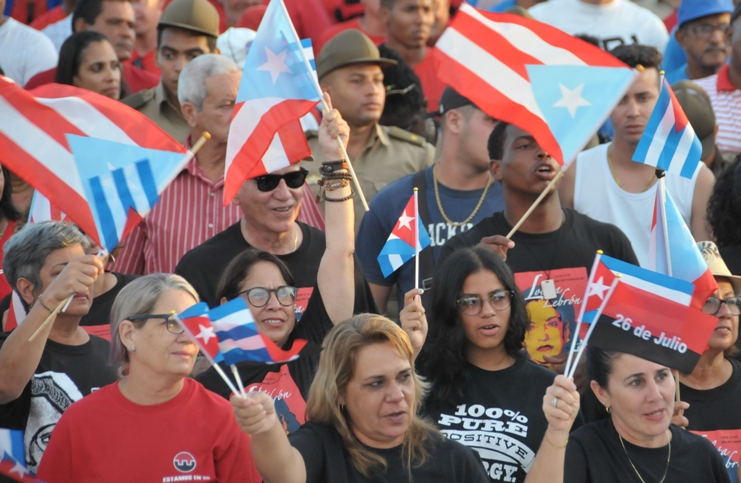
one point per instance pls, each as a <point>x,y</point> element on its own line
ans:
<point>349,69</point>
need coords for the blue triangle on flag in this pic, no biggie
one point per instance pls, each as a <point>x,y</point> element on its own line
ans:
<point>96,157</point>
<point>577,100</point>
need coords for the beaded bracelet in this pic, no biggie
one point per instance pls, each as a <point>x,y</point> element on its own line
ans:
<point>334,200</point>
<point>41,302</point>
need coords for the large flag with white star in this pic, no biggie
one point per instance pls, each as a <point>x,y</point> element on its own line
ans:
<point>400,246</point>
<point>278,88</point>
<point>557,87</point>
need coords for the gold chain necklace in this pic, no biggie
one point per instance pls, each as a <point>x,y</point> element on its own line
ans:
<point>668,458</point>
<point>613,171</point>
<point>440,204</point>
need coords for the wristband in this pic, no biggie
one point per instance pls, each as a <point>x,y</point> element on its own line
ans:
<point>41,302</point>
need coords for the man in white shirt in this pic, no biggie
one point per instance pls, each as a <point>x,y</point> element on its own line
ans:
<point>613,22</point>
<point>24,52</point>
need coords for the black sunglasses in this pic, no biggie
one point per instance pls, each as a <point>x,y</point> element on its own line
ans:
<point>294,179</point>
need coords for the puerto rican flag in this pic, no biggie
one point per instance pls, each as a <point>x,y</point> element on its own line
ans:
<point>672,249</point>
<point>278,88</point>
<point>196,323</point>
<point>669,142</point>
<point>408,238</point>
<point>239,339</point>
<point>12,468</point>
<point>557,87</point>
<point>61,139</point>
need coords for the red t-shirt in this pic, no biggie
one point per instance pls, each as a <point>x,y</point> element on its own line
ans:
<point>54,15</point>
<point>106,437</point>
<point>341,27</point>
<point>432,87</point>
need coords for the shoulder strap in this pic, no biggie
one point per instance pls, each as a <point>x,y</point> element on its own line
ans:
<point>426,263</point>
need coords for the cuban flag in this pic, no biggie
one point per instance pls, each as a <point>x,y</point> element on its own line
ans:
<point>196,323</point>
<point>15,470</point>
<point>669,142</point>
<point>408,237</point>
<point>11,442</point>
<point>278,88</point>
<point>672,249</point>
<point>61,139</point>
<point>239,339</point>
<point>557,87</point>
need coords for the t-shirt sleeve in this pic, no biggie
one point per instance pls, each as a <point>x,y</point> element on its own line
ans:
<point>315,322</point>
<point>311,447</point>
<point>575,463</point>
<point>58,463</point>
<point>472,470</point>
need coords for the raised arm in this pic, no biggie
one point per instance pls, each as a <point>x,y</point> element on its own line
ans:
<point>276,460</point>
<point>336,279</point>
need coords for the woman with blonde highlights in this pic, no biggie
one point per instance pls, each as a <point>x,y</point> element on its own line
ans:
<point>362,412</point>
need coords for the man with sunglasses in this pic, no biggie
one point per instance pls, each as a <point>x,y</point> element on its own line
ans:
<point>701,33</point>
<point>269,206</point>
<point>349,69</point>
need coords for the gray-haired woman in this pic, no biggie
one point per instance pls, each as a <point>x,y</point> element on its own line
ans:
<point>155,413</point>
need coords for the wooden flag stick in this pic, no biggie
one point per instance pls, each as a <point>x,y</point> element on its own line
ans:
<point>416,238</point>
<point>535,204</point>
<point>238,378</point>
<point>201,141</point>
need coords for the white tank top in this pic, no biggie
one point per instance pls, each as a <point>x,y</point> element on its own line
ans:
<point>597,195</point>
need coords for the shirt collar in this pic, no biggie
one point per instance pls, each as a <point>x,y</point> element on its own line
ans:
<point>194,169</point>
<point>161,97</point>
<point>724,80</point>
<point>380,135</point>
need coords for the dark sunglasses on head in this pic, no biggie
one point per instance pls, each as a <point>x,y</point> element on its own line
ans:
<point>294,179</point>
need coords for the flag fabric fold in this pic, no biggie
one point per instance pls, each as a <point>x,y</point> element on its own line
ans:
<point>669,142</point>
<point>239,339</point>
<point>401,245</point>
<point>557,87</point>
<point>278,88</point>
<point>61,138</point>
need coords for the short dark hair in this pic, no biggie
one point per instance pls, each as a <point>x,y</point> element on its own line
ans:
<point>724,206</point>
<point>72,52</point>
<point>637,54</point>
<point>239,269</point>
<point>210,41</point>
<point>400,107</point>
<point>444,358</point>
<point>88,10</point>
<point>495,146</point>
<point>7,208</point>
<point>599,364</point>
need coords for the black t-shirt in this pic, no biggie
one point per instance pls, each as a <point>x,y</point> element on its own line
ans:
<point>313,326</point>
<point>732,256</point>
<point>575,244</point>
<point>594,454</point>
<point>326,460</point>
<point>500,416</point>
<point>64,375</point>
<point>204,265</point>
<point>717,408</point>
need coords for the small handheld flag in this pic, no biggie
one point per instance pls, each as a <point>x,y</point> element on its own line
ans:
<point>669,142</point>
<point>408,237</point>
<point>196,323</point>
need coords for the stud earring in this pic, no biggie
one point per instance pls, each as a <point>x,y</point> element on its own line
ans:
<point>132,349</point>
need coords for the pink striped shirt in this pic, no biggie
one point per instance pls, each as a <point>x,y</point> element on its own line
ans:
<point>726,100</point>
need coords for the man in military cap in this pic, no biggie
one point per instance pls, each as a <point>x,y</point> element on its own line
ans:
<point>349,69</point>
<point>187,29</point>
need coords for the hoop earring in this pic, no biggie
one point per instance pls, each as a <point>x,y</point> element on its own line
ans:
<point>608,409</point>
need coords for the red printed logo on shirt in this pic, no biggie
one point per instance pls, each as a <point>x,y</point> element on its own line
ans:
<point>184,462</point>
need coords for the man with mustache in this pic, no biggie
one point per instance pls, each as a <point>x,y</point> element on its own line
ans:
<point>701,34</point>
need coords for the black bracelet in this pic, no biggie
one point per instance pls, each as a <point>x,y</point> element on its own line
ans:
<point>335,166</point>
<point>41,302</point>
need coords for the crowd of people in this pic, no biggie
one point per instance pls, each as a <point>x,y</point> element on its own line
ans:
<point>449,371</point>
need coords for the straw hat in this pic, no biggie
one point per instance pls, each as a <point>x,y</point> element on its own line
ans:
<point>716,264</point>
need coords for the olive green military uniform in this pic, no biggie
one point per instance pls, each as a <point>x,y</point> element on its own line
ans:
<point>154,104</point>
<point>391,153</point>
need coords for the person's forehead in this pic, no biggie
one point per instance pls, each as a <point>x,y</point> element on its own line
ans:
<point>512,132</point>
<point>716,18</point>
<point>363,69</point>
<point>176,38</point>
<point>117,8</point>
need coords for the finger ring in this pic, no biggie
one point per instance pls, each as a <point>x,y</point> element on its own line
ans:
<point>555,402</point>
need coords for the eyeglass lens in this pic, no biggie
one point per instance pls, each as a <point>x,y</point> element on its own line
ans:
<point>472,304</point>
<point>269,182</point>
<point>260,296</point>
<point>713,304</point>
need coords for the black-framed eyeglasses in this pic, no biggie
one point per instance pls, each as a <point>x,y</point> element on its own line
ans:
<point>705,31</point>
<point>170,323</point>
<point>260,296</point>
<point>294,179</point>
<point>472,304</point>
<point>713,304</point>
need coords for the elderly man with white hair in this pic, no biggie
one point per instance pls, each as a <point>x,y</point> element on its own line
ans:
<point>191,210</point>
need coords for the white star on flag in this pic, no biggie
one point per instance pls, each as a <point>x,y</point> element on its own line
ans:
<point>598,288</point>
<point>571,99</point>
<point>405,221</point>
<point>276,64</point>
<point>206,333</point>
<point>18,468</point>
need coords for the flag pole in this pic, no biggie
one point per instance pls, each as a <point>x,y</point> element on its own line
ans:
<point>592,326</point>
<point>535,204</point>
<point>416,238</point>
<point>238,378</point>
<point>575,343</point>
<point>325,109</point>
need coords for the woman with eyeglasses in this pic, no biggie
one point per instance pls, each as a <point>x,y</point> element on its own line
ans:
<point>154,424</point>
<point>485,390</point>
<point>268,287</point>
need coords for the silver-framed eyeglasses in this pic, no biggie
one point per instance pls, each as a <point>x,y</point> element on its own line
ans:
<point>170,323</point>
<point>705,31</point>
<point>260,296</point>
<point>472,304</point>
<point>712,306</point>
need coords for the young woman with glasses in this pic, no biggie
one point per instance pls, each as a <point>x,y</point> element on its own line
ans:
<point>268,287</point>
<point>485,391</point>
